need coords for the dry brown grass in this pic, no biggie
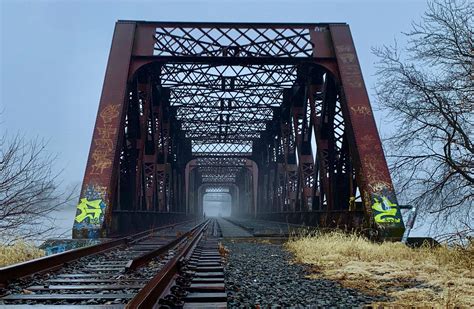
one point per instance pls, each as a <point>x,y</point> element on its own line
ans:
<point>223,251</point>
<point>422,277</point>
<point>19,252</point>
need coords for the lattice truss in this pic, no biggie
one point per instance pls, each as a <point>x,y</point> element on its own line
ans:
<point>224,108</point>
<point>234,42</point>
<point>217,197</point>
<point>337,128</point>
<point>220,169</point>
<point>217,189</point>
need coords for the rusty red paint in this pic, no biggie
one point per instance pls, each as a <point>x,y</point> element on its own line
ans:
<point>144,169</point>
<point>102,164</point>
<point>372,168</point>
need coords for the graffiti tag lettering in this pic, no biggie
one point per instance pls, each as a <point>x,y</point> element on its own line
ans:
<point>95,192</point>
<point>370,142</point>
<point>361,110</point>
<point>91,210</point>
<point>104,143</point>
<point>109,113</point>
<point>107,131</point>
<point>385,210</point>
<point>90,213</point>
<point>379,186</point>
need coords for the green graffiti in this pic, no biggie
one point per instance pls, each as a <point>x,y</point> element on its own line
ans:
<point>90,209</point>
<point>386,211</point>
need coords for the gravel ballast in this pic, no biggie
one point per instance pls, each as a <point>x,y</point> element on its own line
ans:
<point>262,274</point>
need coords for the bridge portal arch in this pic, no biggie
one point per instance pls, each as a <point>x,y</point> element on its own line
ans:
<point>289,100</point>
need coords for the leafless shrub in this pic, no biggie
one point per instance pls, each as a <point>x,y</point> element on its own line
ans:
<point>29,194</point>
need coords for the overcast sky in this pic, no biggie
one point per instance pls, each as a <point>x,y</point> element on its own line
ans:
<point>54,53</point>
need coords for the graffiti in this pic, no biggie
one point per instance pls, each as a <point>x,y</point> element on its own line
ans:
<point>101,157</point>
<point>94,192</point>
<point>53,246</point>
<point>375,171</point>
<point>370,143</point>
<point>379,197</point>
<point>91,210</point>
<point>109,113</point>
<point>100,166</point>
<point>107,131</point>
<point>353,77</point>
<point>379,186</point>
<point>104,143</point>
<point>371,163</point>
<point>385,210</point>
<point>350,70</point>
<point>361,110</point>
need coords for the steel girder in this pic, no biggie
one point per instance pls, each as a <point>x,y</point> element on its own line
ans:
<point>277,111</point>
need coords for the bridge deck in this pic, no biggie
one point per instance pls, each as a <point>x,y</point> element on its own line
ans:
<point>229,229</point>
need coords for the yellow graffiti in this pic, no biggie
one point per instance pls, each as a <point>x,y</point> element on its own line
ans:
<point>104,141</point>
<point>89,209</point>
<point>387,211</point>
<point>107,131</point>
<point>109,113</point>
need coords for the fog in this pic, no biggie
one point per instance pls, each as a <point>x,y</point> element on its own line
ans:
<point>217,204</point>
<point>53,56</point>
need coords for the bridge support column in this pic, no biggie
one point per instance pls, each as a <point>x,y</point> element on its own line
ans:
<point>301,120</point>
<point>99,186</point>
<point>367,152</point>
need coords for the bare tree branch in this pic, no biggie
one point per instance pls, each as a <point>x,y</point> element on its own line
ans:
<point>29,193</point>
<point>427,89</point>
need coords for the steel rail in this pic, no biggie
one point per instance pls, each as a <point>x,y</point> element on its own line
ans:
<point>146,257</point>
<point>155,288</point>
<point>55,261</point>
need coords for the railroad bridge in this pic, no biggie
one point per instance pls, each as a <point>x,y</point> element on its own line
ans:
<point>276,115</point>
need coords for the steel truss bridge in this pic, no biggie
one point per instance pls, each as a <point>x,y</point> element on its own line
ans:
<point>276,115</point>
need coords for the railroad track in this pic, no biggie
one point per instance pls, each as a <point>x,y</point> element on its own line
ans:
<point>177,265</point>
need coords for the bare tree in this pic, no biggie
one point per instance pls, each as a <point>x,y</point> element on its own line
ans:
<point>427,88</point>
<point>29,195</point>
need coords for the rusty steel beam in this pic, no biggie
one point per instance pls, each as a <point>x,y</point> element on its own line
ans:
<point>98,187</point>
<point>372,169</point>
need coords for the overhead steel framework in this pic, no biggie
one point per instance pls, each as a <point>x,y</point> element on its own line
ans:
<point>277,115</point>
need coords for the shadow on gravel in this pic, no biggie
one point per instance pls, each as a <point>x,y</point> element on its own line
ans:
<point>262,274</point>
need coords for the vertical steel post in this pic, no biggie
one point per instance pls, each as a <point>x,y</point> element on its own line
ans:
<point>367,153</point>
<point>100,179</point>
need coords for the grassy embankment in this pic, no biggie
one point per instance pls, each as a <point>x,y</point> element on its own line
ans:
<point>422,277</point>
<point>18,252</point>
